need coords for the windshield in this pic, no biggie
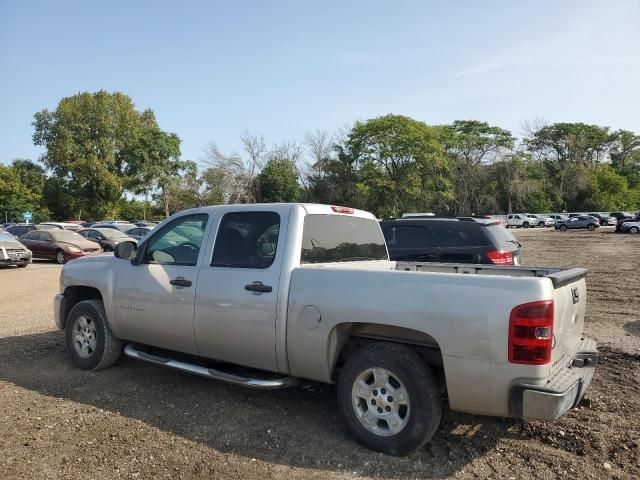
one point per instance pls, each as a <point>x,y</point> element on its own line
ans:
<point>6,237</point>
<point>66,236</point>
<point>337,238</point>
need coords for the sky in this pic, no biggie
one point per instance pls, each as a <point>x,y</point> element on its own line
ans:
<point>212,69</point>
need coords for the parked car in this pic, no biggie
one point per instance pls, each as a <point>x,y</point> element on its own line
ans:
<point>556,217</point>
<point>58,245</point>
<point>293,291</point>
<point>605,220</point>
<point>139,232</point>
<point>21,229</point>
<point>631,226</point>
<point>450,240</point>
<point>540,220</point>
<point>621,217</point>
<point>107,238</point>
<point>12,252</point>
<point>122,226</point>
<point>63,225</point>
<point>519,220</point>
<point>582,221</point>
<point>144,223</point>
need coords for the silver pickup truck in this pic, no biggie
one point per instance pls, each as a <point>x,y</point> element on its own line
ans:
<point>262,295</point>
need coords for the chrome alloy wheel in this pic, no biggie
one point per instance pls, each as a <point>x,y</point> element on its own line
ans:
<point>381,401</point>
<point>84,336</point>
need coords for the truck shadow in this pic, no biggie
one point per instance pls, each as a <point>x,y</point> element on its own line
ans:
<point>297,427</point>
<point>633,327</point>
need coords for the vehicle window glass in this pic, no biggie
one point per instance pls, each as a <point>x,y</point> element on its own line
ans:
<point>501,235</point>
<point>341,238</point>
<point>43,236</point>
<point>178,242</point>
<point>408,236</point>
<point>246,240</point>
<point>453,237</point>
<point>27,236</point>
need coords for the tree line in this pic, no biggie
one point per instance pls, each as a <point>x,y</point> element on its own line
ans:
<point>105,159</point>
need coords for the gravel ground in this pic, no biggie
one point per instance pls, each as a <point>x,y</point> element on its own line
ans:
<point>139,421</point>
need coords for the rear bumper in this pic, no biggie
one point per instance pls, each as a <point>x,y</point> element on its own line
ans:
<point>563,390</point>
<point>58,308</point>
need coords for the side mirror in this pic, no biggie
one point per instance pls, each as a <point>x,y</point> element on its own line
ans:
<point>98,239</point>
<point>125,250</point>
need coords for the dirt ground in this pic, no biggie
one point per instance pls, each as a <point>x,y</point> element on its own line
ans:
<point>139,421</point>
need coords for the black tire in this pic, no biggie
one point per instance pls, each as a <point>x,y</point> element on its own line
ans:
<point>541,224</point>
<point>60,257</point>
<point>418,381</point>
<point>107,348</point>
<point>22,265</point>
<point>591,227</point>
<point>107,249</point>
<point>634,230</point>
<point>525,225</point>
<point>563,228</point>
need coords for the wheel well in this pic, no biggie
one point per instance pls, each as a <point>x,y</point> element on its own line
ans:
<point>76,294</point>
<point>350,337</point>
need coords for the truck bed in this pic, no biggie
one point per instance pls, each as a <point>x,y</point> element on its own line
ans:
<point>558,276</point>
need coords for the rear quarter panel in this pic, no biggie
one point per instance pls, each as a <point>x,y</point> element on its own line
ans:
<point>467,315</point>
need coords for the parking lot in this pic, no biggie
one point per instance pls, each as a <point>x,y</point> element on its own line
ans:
<point>140,421</point>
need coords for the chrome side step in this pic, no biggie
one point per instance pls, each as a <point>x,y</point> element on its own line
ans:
<point>211,373</point>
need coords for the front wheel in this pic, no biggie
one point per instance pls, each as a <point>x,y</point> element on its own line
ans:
<point>389,399</point>
<point>89,339</point>
<point>563,228</point>
<point>634,230</point>
<point>591,227</point>
<point>60,258</point>
<point>525,225</point>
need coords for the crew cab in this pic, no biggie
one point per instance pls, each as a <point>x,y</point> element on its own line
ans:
<point>301,291</point>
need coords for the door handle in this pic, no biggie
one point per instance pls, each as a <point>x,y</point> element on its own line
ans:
<point>180,282</point>
<point>258,287</point>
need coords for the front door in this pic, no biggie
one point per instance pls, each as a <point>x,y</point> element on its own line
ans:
<point>154,299</point>
<point>238,288</point>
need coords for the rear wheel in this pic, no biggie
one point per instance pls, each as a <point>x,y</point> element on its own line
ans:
<point>22,265</point>
<point>389,399</point>
<point>591,227</point>
<point>540,224</point>
<point>634,230</point>
<point>60,258</point>
<point>525,225</point>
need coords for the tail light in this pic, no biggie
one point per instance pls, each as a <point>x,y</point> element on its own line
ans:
<point>500,257</point>
<point>531,333</point>
<point>342,209</point>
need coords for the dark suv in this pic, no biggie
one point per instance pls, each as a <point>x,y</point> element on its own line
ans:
<point>450,240</point>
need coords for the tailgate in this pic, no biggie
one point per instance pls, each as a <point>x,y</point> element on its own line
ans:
<point>570,306</point>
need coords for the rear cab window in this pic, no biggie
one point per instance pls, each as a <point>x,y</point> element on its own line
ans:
<point>341,238</point>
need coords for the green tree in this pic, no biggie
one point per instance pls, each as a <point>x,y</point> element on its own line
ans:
<point>278,181</point>
<point>470,144</point>
<point>402,166</point>
<point>16,197</point>
<point>98,146</point>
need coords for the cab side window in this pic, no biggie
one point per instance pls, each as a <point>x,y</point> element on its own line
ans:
<point>246,240</point>
<point>178,242</point>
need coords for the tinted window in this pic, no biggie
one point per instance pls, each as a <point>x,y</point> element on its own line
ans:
<point>246,240</point>
<point>341,238</point>
<point>30,235</point>
<point>178,242</point>
<point>501,235</point>
<point>408,236</point>
<point>453,236</point>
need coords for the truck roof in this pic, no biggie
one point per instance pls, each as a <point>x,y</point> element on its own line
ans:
<point>310,208</point>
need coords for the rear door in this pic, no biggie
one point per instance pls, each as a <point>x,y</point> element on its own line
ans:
<point>411,242</point>
<point>235,311</point>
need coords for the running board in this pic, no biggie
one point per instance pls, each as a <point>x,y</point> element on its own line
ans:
<point>211,373</point>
